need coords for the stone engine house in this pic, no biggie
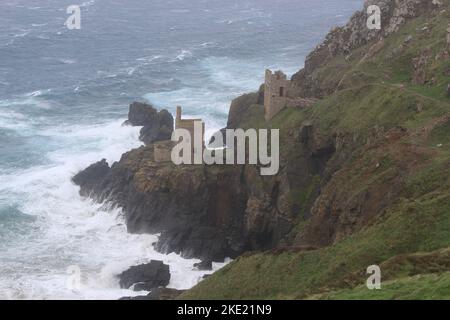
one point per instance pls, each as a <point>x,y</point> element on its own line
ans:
<point>279,94</point>
<point>189,125</point>
<point>163,149</point>
<point>276,89</point>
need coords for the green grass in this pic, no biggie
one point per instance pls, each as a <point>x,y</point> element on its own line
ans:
<point>410,239</point>
<point>440,136</point>
<point>411,226</point>
<point>421,287</point>
<point>302,196</point>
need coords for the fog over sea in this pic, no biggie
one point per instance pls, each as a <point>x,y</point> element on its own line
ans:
<point>65,93</point>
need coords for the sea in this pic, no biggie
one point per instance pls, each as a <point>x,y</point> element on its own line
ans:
<point>64,94</point>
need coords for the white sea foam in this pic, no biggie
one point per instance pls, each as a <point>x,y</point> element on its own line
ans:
<point>21,35</point>
<point>130,70</point>
<point>14,120</point>
<point>29,100</point>
<point>87,3</point>
<point>55,228</point>
<point>70,230</point>
<point>211,101</point>
<point>32,101</point>
<point>242,76</point>
<point>183,55</point>
<point>149,59</point>
<point>106,74</point>
<point>36,25</point>
<point>37,93</point>
<point>197,103</point>
<point>68,61</point>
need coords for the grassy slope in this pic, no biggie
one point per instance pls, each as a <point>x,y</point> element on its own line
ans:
<point>418,224</point>
<point>421,287</point>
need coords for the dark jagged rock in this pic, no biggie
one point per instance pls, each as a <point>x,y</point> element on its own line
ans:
<point>142,114</point>
<point>205,265</point>
<point>355,34</point>
<point>213,212</point>
<point>241,105</point>
<point>150,134</point>
<point>145,276</point>
<point>89,178</point>
<point>165,119</point>
<point>157,126</point>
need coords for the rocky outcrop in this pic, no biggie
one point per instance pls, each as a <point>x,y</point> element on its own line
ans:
<point>199,212</point>
<point>342,40</point>
<point>212,212</point>
<point>157,126</point>
<point>240,106</point>
<point>145,277</point>
<point>89,178</point>
<point>205,265</point>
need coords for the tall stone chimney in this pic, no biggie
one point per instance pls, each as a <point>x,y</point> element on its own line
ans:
<point>178,117</point>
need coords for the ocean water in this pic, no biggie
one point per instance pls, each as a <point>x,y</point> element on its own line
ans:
<point>64,94</point>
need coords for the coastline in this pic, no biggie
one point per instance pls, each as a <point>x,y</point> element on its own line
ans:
<point>215,212</point>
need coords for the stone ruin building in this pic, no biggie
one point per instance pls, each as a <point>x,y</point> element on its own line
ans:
<point>163,149</point>
<point>189,125</point>
<point>276,89</point>
<point>278,94</point>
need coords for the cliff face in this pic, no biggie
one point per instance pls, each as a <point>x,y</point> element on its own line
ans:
<point>382,193</point>
<point>343,41</point>
<point>156,125</point>
<point>363,172</point>
<point>209,212</point>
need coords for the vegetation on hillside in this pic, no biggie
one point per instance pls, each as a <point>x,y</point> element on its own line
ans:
<point>400,133</point>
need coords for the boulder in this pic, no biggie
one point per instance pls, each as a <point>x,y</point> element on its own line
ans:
<point>146,276</point>
<point>156,125</point>
<point>211,212</point>
<point>150,134</point>
<point>205,265</point>
<point>142,114</point>
<point>165,119</point>
<point>353,35</point>
<point>88,178</point>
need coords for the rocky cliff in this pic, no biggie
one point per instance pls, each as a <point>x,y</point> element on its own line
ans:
<point>156,125</point>
<point>378,146</point>
<point>209,212</point>
<point>363,176</point>
<point>345,41</point>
